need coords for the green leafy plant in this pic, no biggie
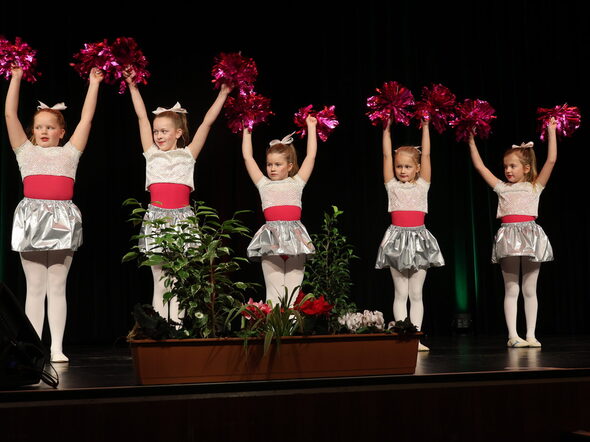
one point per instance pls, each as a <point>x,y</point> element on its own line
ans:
<point>197,264</point>
<point>327,273</point>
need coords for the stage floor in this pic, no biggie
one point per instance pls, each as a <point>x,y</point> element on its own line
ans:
<point>460,357</point>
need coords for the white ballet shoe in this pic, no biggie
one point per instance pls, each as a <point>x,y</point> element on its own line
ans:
<point>59,357</point>
<point>533,343</point>
<point>422,347</point>
<point>517,342</point>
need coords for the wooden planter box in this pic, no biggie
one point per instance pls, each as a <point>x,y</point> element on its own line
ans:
<point>298,357</point>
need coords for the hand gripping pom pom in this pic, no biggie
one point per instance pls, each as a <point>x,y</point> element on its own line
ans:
<point>128,55</point>
<point>326,121</point>
<point>436,106</point>
<point>472,116</point>
<point>18,54</point>
<point>567,118</point>
<point>393,102</point>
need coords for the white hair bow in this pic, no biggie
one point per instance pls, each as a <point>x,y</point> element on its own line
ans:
<point>58,106</point>
<point>528,145</point>
<point>286,140</point>
<point>176,108</point>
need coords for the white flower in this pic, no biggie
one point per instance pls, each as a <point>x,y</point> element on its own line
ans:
<point>199,315</point>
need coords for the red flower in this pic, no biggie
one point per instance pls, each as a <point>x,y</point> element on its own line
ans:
<point>312,306</point>
<point>256,310</point>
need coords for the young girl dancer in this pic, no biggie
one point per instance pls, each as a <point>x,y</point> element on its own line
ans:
<point>47,226</point>
<point>520,242</point>
<point>282,244</point>
<point>170,161</point>
<point>408,248</point>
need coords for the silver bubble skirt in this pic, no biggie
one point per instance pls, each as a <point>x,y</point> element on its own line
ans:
<point>42,225</point>
<point>409,248</point>
<point>280,238</point>
<point>522,239</point>
<point>173,216</point>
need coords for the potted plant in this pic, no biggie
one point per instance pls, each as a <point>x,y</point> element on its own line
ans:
<point>270,342</point>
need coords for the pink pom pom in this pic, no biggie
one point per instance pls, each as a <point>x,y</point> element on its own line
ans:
<point>327,122</point>
<point>97,55</point>
<point>393,102</point>
<point>568,119</point>
<point>19,54</point>
<point>300,117</point>
<point>246,111</point>
<point>472,116</point>
<point>436,106</point>
<point>326,118</point>
<point>234,70</point>
<point>128,55</point>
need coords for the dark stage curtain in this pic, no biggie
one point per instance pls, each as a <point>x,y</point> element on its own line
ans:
<point>517,55</point>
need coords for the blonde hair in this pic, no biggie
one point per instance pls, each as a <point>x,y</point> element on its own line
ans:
<point>527,157</point>
<point>180,122</point>
<point>413,152</point>
<point>288,150</point>
<point>61,122</point>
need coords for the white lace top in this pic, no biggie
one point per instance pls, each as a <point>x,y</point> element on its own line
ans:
<point>518,198</point>
<point>285,192</point>
<point>37,160</point>
<point>173,166</point>
<point>407,196</point>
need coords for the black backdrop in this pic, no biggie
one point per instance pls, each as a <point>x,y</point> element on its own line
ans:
<point>517,55</point>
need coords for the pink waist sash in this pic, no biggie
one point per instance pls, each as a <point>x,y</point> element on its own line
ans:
<point>282,213</point>
<point>169,195</point>
<point>517,218</point>
<point>48,187</point>
<point>407,218</point>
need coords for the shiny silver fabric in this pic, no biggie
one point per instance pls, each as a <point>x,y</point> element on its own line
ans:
<point>522,239</point>
<point>410,248</point>
<point>174,216</point>
<point>280,238</point>
<point>41,225</point>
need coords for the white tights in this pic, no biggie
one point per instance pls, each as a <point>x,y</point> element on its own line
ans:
<point>408,284</point>
<point>46,274</point>
<point>170,309</point>
<point>530,273</point>
<point>280,273</point>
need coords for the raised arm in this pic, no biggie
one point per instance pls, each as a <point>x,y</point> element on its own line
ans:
<point>251,166</point>
<point>196,145</point>
<point>16,133</point>
<point>145,127</point>
<point>545,172</point>
<point>425,168</point>
<point>82,131</point>
<point>312,147</point>
<point>488,176</point>
<point>387,154</point>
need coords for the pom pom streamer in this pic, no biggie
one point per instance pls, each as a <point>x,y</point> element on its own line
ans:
<point>96,55</point>
<point>246,111</point>
<point>394,102</point>
<point>472,115</point>
<point>234,70</point>
<point>568,119</point>
<point>19,54</point>
<point>436,106</point>
<point>113,60</point>
<point>128,55</point>
<point>326,118</point>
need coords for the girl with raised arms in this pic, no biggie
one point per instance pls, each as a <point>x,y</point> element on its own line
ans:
<point>520,242</point>
<point>170,160</point>
<point>408,248</point>
<point>47,226</point>
<point>282,243</point>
